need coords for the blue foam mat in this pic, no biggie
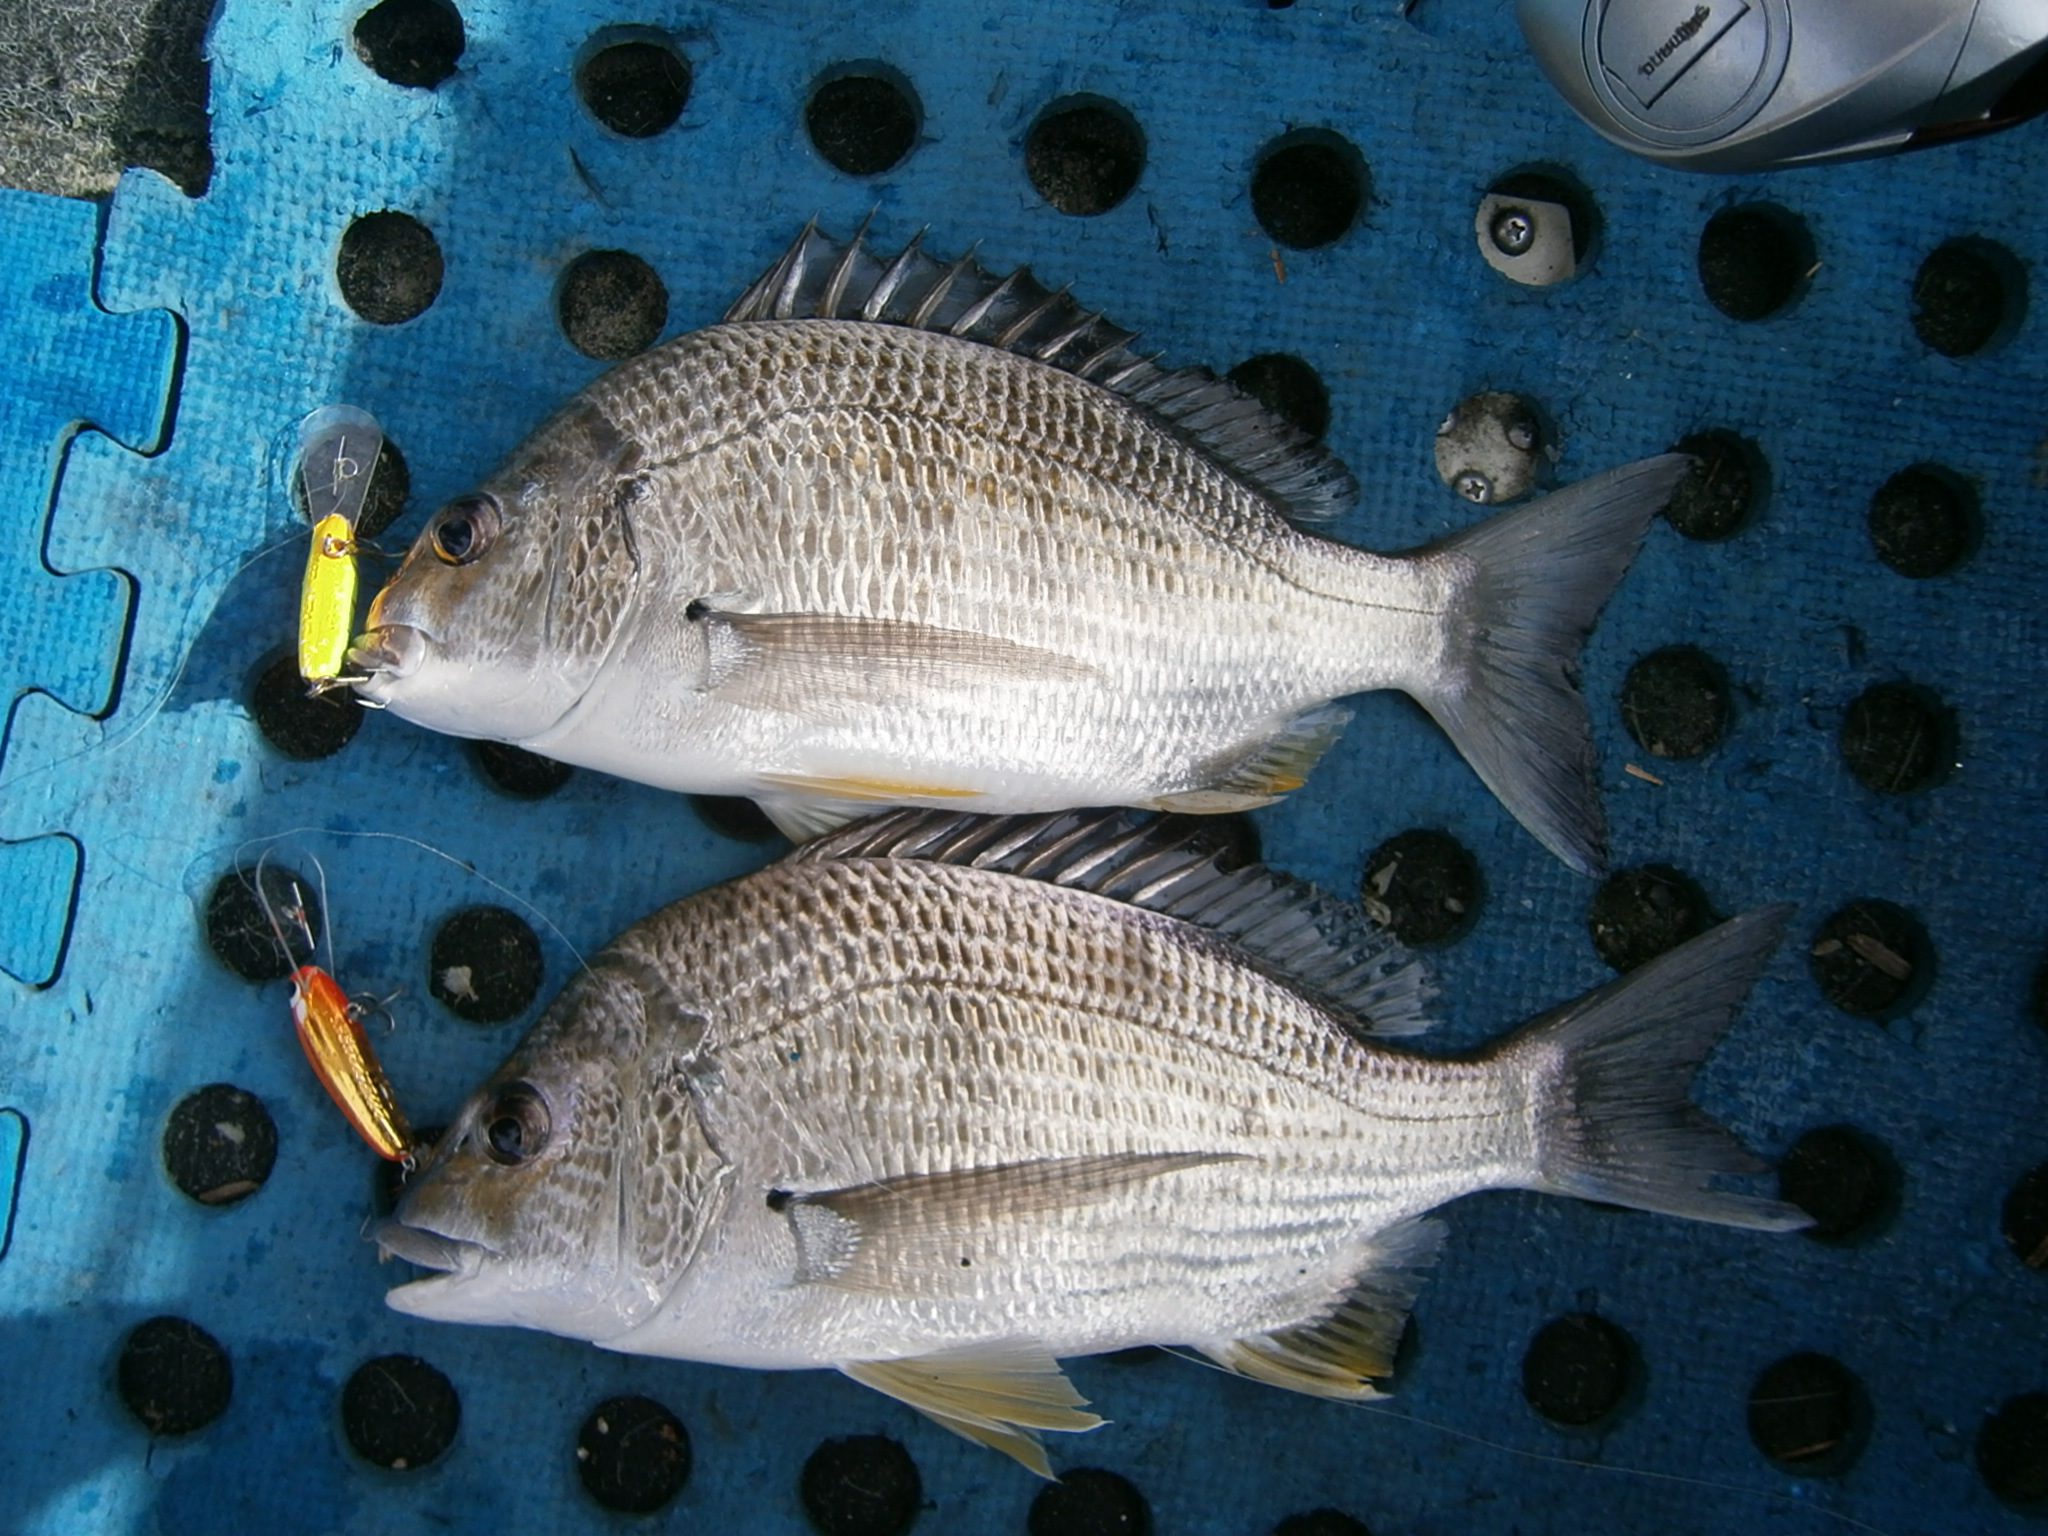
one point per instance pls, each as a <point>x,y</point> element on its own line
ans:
<point>1936,1317</point>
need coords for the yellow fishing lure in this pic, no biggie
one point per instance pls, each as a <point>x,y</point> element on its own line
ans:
<point>338,447</point>
<point>327,601</point>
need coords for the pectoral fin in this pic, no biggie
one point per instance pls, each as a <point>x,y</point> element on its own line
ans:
<point>810,663</point>
<point>1340,1355</point>
<point>999,1395</point>
<point>892,1233</point>
<point>800,819</point>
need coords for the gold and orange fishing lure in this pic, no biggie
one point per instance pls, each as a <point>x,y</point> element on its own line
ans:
<point>330,1030</point>
<point>338,448</point>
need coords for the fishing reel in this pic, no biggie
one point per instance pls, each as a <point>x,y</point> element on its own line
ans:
<point>1750,85</point>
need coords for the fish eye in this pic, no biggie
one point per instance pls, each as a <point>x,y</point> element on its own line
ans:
<point>464,528</point>
<point>516,1124</point>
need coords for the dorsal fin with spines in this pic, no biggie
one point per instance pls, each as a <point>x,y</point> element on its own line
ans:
<point>1176,866</point>
<point>819,278</point>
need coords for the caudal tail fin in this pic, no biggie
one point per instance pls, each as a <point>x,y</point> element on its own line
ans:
<point>1535,579</point>
<point>1610,1075</point>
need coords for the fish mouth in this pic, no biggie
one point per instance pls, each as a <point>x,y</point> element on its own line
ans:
<point>458,1287</point>
<point>426,1249</point>
<point>386,654</point>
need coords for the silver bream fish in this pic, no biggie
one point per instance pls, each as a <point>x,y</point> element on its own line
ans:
<point>910,534</point>
<point>941,1099</point>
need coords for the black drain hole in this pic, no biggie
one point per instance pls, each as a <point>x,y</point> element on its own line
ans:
<point>1288,387</point>
<point>611,304</point>
<point>1847,1182</point>
<point>219,1144</point>
<point>389,267</point>
<point>174,1376</point>
<point>1722,492</point>
<point>1872,959</point>
<point>2024,1219</point>
<point>1809,1415</point>
<point>1090,1501</point>
<point>2012,1450</point>
<point>1577,1369</point>
<point>303,725</point>
<point>1639,914</point>
<point>399,1412</point>
<point>411,42</point>
<point>1084,154</point>
<point>861,1485</point>
<point>240,933</point>
<point>637,86</point>
<point>633,1455</point>
<point>485,964</point>
<point>1675,702</point>
<point>1968,297</point>
<point>1897,738</point>
<point>1924,521</point>
<point>1308,188</point>
<point>519,773</point>
<point>1424,885</point>
<point>1753,260</point>
<point>734,816</point>
<point>863,118</point>
<point>1236,835</point>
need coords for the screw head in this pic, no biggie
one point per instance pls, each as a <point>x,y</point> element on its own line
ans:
<point>1513,232</point>
<point>1473,486</point>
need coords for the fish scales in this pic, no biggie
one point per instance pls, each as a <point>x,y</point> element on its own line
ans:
<point>835,562</point>
<point>891,448</point>
<point>945,1099</point>
<point>947,1027</point>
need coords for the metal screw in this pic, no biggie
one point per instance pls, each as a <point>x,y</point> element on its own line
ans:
<point>1473,486</point>
<point>1514,231</point>
<point>1521,434</point>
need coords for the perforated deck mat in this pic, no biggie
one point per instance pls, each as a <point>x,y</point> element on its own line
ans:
<point>151,573</point>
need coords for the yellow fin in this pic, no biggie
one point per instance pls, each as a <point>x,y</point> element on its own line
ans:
<point>1210,802</point>
<point>999,1395</point>
<point>866,790</point>
<point>1259,772</point>
<point>1339,1355</point>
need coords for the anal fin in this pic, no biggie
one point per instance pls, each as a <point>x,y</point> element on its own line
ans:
<point>1248,777</point>
<point>998,1395</point>
<point>1342,1354</point>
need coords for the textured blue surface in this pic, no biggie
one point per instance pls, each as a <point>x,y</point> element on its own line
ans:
<point>73,365</point>
<point>1936,1317</point>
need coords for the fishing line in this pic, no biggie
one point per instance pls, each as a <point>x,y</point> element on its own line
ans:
<point>163,694</point>
<point>1553,1458</point>
<point>462,864</point>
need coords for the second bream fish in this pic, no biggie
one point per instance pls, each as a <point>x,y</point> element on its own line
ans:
<point>940,1100</point>
<point>907,533</point>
